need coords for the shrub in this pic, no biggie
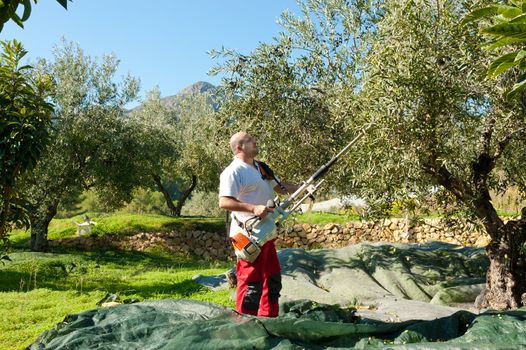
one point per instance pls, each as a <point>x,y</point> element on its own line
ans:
<point>203,204</point>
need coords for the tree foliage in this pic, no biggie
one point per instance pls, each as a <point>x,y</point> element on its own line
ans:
<point>24,131</point>
<point>174,146</point>
<point>439,130</point>
<point>283,91</point>
<point>427,99</point>
<point>441,126</point>
<point>154,128</point>
<point>8,11</point>
<point>508,30</point>
<point>198,154</point>
<point>92,146</point>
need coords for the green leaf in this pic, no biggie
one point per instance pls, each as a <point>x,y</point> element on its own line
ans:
<point>64,3</point>
<point>513,30</point>
<point>502,64</point>
<point>17,20</point>
<point>504,10</point>
<point>515,90</point>
<point>27,10</point>
<point>520,55</point>
<point>499,42</point>
<point>519,19</point>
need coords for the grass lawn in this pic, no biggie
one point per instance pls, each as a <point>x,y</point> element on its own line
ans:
<point>37,290</point>
<point>122,224</point>
<point>315,218</point>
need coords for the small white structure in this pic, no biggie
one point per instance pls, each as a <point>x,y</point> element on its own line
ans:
<point>85,226</point>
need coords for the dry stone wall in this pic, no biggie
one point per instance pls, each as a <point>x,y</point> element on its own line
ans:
<point>209,245</point>
<point>201,244</point>
<point>393,230</point>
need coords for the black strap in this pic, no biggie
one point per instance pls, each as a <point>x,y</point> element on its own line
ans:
<point>267,173</point>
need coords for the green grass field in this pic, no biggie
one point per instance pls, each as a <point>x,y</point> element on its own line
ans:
<point>37,290</point>
<point>122,224</point>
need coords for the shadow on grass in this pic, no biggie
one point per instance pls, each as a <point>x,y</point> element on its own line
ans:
<point>109,271</point>
<point>192,223</point>
<point>14,281</point>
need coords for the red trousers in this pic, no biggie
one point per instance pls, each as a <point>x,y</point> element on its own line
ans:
<point>259,283</point>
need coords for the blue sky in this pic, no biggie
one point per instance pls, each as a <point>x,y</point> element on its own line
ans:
<point>162,42</point>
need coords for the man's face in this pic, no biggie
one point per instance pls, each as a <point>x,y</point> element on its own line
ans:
<point>249,146</point>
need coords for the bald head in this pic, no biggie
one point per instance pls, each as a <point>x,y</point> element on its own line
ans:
<point>243,145</point>
<point>237,140</point>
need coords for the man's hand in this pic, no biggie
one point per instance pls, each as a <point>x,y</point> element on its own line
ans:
<point>262,211</point>
<point>232,204</point>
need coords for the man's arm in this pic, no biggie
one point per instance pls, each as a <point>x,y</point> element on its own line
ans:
<point>232,204</point>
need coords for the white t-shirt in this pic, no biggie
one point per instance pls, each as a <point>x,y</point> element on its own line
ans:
<point>243,182</point>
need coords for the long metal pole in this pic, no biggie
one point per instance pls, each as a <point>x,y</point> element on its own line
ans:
<point>322,170</point>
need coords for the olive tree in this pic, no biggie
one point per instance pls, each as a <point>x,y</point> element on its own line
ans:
<point>174,146</point>
<point>92,147</point>
<point>439,125</point>
<point>154,127</point>
<point>199,159</point>
<point>24,131</point>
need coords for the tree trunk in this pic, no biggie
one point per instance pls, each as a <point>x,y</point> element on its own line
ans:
<point>39,227</point>
<point>167,197</point>
<point>4,215</point>
<point>184,196</point>
<point>506,276</point>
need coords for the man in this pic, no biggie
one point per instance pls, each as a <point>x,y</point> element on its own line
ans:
<point>245,192</point>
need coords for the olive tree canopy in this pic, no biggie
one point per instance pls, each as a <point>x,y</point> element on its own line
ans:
<point>174,146</point>
<point>92,147</point>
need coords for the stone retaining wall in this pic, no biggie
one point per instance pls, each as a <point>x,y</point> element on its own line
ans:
<point>393,230</point>
<point>202,244</point>
<point>209,245</point>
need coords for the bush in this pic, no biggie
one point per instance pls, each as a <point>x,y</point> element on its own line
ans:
<point>146,201</point>
<point>203,204</point>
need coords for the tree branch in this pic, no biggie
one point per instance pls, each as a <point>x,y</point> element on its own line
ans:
<point>484,163</point>
<point>485,138</point>
<point>448,181</point>
<point>501,146</point>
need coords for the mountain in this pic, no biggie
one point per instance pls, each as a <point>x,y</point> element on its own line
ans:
<point>200,87</point>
